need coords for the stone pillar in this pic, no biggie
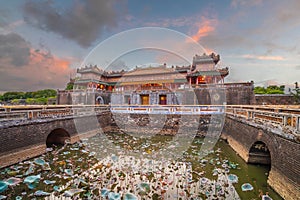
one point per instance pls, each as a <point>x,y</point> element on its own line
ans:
<point>169,99</point>
<point>138,99</point>
<point>298,123</point>
<point>178,98</point>
<point>153,98</point>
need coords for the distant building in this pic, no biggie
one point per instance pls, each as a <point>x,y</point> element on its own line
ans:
<point>146,86</point>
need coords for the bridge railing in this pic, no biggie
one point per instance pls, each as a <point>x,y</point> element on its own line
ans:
<point>282,115</point>
<point>8,113</point>
<point>169,109</point>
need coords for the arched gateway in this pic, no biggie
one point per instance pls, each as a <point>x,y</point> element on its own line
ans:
<point>57,136</point>
<point>259,154</point>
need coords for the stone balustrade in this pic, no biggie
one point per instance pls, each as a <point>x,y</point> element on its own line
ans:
<point>285,116</point>
<point>9,113</point>
<point>169,109</point>
<point>280,115</point>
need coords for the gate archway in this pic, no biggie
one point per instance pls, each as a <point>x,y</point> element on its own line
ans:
<point>259,154</point>
<point>57,137</point>
<point>99,100</point>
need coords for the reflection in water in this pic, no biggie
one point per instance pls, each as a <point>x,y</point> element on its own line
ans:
<point>121,166</point>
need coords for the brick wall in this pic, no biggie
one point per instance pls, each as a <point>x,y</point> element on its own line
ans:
<point>17,139</point>
<point>285,154</point>
<point>274,99</point>
<point>231,93</point>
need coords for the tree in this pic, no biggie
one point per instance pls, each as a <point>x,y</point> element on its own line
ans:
<point>42,100</point>
<point>259,90</point>
<point>43,93</point>
<point>15,101</point>
<point>7,96</point>
<point>272,89</point>
<point>70,86</point>
<point>30,101</point>
<point>29,95</point>
<point>282,87</point>
<point>36,97</point>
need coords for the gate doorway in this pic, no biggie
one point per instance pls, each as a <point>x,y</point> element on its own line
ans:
<point>259,154</point>
<point>145,99</point>
<point>57,137</point>
<point>162,99</point>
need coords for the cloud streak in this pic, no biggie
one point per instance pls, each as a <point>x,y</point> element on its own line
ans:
<point>171,22</point>
<point>82,23</point>
<point>6,28</point>
<point>246,3</point>
<point>263,57</point>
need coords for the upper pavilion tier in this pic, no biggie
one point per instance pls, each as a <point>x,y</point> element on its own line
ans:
<point>202,71</point>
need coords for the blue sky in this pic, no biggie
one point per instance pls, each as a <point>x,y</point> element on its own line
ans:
<point>42,42</point>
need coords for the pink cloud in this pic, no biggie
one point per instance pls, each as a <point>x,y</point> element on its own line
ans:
<point>43,70</point>
<point>205,27</point>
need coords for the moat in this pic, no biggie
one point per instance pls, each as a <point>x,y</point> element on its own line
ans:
<point>121,166</point>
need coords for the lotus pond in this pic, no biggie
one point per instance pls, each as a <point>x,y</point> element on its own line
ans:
<point>120,166</point>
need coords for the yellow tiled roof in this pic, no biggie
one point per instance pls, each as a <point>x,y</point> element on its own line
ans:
<point>150,71</point>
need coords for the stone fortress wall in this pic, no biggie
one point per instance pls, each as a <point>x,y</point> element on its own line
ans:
<point>275,99</point>
<point>235,93</point>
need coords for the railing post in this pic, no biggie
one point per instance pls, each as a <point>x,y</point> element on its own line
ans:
<point>284,120</point>
<point>29,115</point>
<point>298,123</point>
<point>249,114</point>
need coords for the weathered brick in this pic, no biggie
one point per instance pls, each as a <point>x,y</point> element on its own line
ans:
<point>285,154</point>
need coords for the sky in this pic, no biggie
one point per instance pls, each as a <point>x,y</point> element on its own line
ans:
<point>43,42</point>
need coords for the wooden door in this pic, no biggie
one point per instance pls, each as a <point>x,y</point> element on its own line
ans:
<point>145,99</point>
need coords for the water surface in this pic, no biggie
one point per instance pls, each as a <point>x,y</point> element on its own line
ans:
<point>64,169</point>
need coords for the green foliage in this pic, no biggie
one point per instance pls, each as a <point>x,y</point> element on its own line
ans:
<point>30,101</point>
<point>13,95</point>
<point>272,89</point>
<point>21,95</point>
<point>36,97</point>
<point>70,86</point>
<point>259,90</point>
<point>282,87</point>
<point>42,100</point>
<point>41,93</point>
<point>29,95</point>
<point>15,101</point>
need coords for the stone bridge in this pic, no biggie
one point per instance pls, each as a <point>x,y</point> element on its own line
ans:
<point>268,135</point>
<point>27,131</point>
<point>259,134</point>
